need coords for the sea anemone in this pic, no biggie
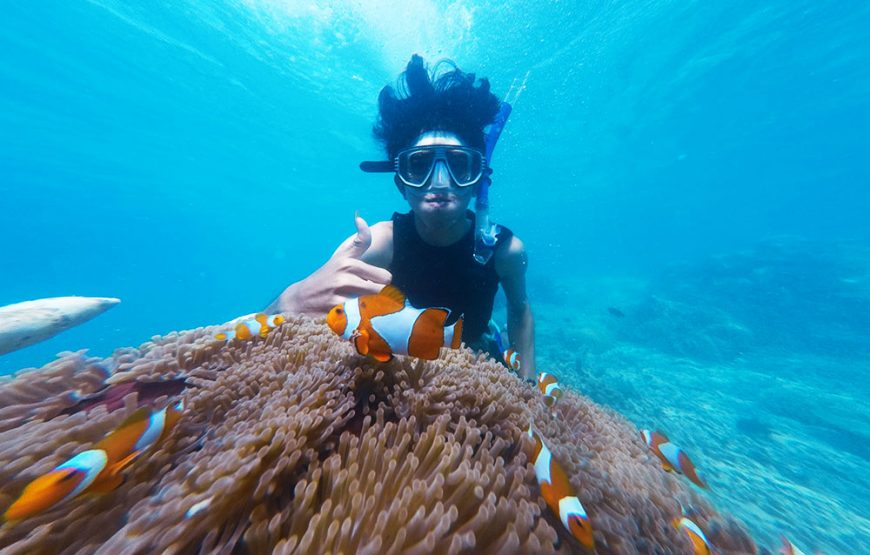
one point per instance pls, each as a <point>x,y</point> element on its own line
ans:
<point>296,444</point>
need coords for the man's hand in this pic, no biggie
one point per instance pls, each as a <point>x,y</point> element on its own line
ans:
<point>344,275</point>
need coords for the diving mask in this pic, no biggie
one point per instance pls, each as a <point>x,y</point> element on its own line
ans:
<point>415,165</point>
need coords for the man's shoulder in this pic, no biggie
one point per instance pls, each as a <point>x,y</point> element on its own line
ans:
<point>508,242</point>
<point>510,256</point>
<point>383,229</point>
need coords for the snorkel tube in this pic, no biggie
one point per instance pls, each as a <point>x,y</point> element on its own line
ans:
<point>485,234</point>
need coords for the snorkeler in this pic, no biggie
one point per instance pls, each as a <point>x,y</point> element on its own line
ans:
<point>440,254</point>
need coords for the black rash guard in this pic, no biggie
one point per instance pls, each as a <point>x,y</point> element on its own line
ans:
<point>447,277</point>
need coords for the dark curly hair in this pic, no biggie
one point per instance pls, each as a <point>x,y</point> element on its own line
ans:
<point>446,102</point>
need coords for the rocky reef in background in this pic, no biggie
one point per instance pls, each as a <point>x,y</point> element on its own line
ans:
<point>754,361</point>
<point>785,293</point>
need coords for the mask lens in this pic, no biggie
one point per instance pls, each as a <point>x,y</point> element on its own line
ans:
<point>416,165</point>
<point>465,165</point>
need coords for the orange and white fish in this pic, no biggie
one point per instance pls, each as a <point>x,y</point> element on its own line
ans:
<point>96,470</point>
<point>700,543</point>
<point>549,387</point>
<point>557,493</point>
<point>258,326</point>
<point>512,359</point>
<point>138,433</point>
<point>385,324</point>
<point>673,458</point>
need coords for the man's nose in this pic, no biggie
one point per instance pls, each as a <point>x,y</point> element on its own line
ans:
<point>440,175</point>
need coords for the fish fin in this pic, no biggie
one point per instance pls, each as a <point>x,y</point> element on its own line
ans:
<point>392,292</point>
<point>361,342</point>
<point>382,357</point>
<point>221,336</point>
<point>457,334</point>
<point>107,484</point>
<point>373,306</point>
<point>125,462</point>
<point>696,478</point>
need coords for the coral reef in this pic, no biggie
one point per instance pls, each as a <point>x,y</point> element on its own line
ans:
<point>295,444</point>
<point>754,361</point>
<point>784,293</point>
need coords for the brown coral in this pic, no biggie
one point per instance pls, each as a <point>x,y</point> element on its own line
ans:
<point>295,444</point>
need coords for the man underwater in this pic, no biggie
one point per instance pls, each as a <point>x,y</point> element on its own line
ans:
<point>433,132</point>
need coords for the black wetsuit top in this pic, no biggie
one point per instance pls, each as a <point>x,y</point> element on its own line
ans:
<point>447,277</point>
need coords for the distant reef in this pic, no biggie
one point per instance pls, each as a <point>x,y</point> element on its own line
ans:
<point>785,293</point>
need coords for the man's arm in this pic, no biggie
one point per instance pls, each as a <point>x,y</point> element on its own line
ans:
<point>510,264</point>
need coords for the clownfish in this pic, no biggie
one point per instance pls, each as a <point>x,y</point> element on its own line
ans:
<point>700,544</point>
<point>512,359</point>
<point>385,324</point>
<point>549,387</point>
<point>672,457</point>
<point>96,470</point>
<point>557,493</point>
<point>258,326</point>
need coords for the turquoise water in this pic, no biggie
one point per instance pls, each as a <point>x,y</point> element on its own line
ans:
<point>701,167</point>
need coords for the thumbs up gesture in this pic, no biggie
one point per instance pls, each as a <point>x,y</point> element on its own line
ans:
<point>359,243</point>
<point>346,274</point>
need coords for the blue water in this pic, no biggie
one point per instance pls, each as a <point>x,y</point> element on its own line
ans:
<point>193,158</point>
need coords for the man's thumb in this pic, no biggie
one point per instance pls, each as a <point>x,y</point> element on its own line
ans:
<point>363,239</point>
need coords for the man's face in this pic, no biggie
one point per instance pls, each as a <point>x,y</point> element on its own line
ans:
<point>439,201</point>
